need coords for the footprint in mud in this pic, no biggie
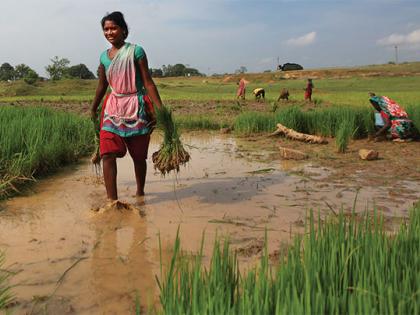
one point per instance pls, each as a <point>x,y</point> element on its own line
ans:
<point>121,206</point>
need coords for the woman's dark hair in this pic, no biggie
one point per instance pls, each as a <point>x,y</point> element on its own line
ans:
<point>118,18</point>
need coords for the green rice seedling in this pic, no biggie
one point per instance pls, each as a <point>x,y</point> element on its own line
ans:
<point>6,297</point>
<point>317,101</point>
<point>292,117</point>
<point>344,264</point>
<point>171,153</point>
<point>272,107</point>
<point>198,122</point>
<point>344,133</point>
<point>413,112</point>
<point>37,140</point>
<point>254,122</point>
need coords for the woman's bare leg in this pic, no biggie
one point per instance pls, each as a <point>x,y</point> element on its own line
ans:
<point>110,175</point>
<point>140,168</point>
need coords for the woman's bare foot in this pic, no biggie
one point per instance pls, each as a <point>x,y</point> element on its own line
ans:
<point>118,205</point>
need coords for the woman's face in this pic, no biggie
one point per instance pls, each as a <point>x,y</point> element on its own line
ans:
<point>113,33</point>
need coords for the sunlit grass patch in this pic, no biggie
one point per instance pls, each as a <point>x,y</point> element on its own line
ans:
<point>345,265</point>
<point>36,140</point>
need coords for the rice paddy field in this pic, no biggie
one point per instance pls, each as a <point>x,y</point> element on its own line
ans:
<point>240,230</point>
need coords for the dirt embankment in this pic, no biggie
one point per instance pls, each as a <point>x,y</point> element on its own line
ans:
<point>401,70</point>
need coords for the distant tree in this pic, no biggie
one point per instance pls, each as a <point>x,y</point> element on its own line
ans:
<point>7,72</point>
<point>80,71</point>
<point>156,73</point>
<point>58,68</point>
<point>31,76</point>
<point>21,71</point>
<point>179,70</point>
<point>193,72</point>
<point>242,69</point>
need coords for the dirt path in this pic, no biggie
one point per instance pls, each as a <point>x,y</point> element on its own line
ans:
<point>69,259</point>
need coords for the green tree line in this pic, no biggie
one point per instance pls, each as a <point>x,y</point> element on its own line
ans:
<point>177,70</point>
<point>58,69</point>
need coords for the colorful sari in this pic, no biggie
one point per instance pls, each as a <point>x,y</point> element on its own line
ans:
<point>124,113</point>
<point>392,113</point>
<point>241,89</point>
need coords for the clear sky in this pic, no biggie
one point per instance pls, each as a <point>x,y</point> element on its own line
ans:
<point>215,36</point>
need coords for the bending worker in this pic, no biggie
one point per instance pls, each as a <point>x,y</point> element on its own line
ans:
<point>396,123</point>
<point>259,93</point>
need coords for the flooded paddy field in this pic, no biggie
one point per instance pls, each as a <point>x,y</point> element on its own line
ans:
<point>72,255</point>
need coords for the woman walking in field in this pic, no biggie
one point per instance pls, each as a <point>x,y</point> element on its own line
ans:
<point>240,93</point>
<point>127,117</point>
<point>395,119</point>
<point>308,90</point>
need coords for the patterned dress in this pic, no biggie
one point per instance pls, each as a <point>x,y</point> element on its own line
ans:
<point>401,127</point>
<point>126,108</point>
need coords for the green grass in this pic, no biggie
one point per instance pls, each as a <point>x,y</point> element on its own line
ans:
<point>323,121</point>
<point>339,88</point>
<point>349,90</point>
<point>5,293</point>
<point>344,134</point>
<point>35,141</point>
<point>342,266</point>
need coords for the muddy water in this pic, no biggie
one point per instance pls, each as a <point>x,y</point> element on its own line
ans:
<point>69,259</point>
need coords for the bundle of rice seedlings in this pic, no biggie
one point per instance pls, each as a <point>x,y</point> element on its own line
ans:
<point>96,156</point>
<point>171,153</point>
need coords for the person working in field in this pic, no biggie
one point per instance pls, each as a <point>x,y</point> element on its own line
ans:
<point>395,119</point>
<point>308,90</point>
<point>284,95</point>
<point>259,93</point>
<point>127,117</point>
<point>240,93</point>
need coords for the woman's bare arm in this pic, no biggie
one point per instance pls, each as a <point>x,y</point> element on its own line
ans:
<point>100,91</point>
<point>148,82</point>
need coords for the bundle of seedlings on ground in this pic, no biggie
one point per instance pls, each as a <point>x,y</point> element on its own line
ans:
<point>171,153</point>
<point>346,264</point>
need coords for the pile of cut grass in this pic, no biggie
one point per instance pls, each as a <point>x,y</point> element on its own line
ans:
<point>36,140</point>
<point>342,266</point>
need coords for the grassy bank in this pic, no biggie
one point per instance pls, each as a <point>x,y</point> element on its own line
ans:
<point>324,121</point>
<point>35,141</point>
<point>5,293</point>
<point>342,266</point>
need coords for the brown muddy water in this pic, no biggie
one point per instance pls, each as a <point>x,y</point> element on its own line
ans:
<point>69,259</point>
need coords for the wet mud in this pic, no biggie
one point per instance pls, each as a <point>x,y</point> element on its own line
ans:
<point>73,255</point>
